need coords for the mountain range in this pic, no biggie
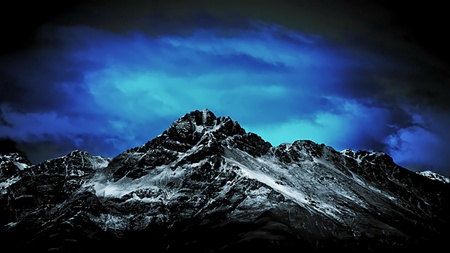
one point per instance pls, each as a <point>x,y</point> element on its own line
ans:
<point>205,184</point>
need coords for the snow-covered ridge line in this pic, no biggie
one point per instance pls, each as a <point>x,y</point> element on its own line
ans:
<point>434,176</point>
<point>206,178</point>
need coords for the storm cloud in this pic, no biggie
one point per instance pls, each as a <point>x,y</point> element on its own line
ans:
<point>106,77</point>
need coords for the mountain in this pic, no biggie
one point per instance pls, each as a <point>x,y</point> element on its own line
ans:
<point>207,185</point>
<point>434,176</point>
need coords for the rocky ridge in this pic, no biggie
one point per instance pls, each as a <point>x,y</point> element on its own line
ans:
<point>205,184</point>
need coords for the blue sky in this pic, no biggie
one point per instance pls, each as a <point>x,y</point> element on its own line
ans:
<point>107,77</point>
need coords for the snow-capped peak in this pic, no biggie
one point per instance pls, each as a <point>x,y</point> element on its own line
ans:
<point>366,155</point>
<point>206,185</point>
<point>191,127</point>
<point>434,176</point>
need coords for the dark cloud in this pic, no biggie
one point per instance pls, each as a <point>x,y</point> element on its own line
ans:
<point>8,146</point>
<point>3,122</point>
<point>37,82</point>
<point>108,75</point>
<point>54,146</point>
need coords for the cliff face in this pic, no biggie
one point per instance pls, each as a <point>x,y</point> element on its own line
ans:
<point>207,185</point>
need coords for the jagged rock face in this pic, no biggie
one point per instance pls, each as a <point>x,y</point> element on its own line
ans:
<point>194,136</point>
<point>434,176</point>
<point>11,164</point>
<point>47,184</point>
<point>207,185</point>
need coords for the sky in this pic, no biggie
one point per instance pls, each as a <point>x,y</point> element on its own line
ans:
<point>106,76</point>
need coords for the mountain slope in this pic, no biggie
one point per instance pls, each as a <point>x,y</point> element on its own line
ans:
<point>207,185</point>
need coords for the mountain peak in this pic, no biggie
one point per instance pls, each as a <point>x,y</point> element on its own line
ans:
<point>12,163</point>
<point>434,176</point>
<point>367,155</point>
<point>206,185</point>
<point>193,125</point>
<point>204,117</point>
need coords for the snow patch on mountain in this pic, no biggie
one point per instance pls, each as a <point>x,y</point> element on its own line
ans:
<point>434,176</point>
<point>206,177</point>
<point>7,183</point>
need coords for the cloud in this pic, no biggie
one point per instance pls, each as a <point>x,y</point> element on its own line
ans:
<point>350,125</point>
<point>106,86</point>
<point>85,81</point>
<point>424,144</point>
<point>418,149</point>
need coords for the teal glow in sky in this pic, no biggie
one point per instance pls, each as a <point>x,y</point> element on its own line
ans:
<point>104,87</point>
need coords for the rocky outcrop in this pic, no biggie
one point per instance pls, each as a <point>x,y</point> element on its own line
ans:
<point>206,185</point>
